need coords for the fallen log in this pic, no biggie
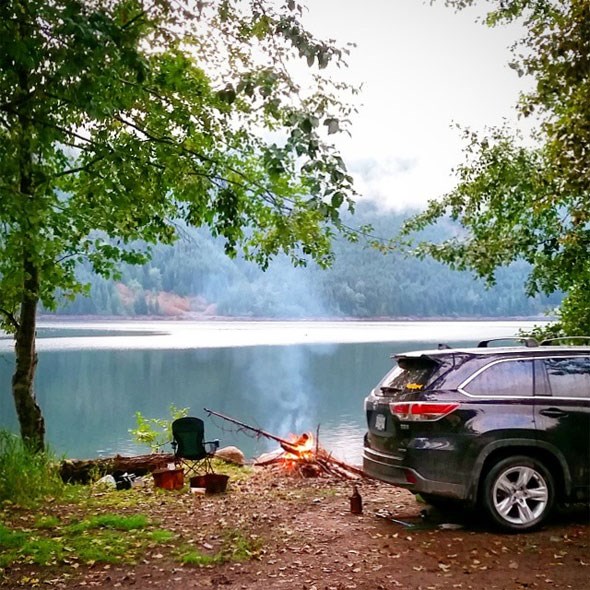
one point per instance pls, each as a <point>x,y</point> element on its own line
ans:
<point>88,470</point>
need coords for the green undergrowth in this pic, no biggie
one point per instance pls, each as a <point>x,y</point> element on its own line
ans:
<point>27,478</point>
<point>105,538</point>
<point>80,525</point>
<point>236,547</point>
<point>237,473</point>
<point>44,522</point>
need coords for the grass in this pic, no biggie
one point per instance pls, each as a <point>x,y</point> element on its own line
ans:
<point>235,547</point>
<point>110,521</point>
<point>237,473</point>
<point>106,538</point>
<point>44,522</point>
<point>26,478</point>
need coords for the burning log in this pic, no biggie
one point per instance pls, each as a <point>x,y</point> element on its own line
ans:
<point>302,454</point>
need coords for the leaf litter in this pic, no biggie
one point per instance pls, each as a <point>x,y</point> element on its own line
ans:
<point>271,531</point>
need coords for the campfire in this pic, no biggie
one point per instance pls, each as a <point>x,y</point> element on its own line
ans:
<point>297,455</point>
<point>300,454</point>
<point>299,450</point>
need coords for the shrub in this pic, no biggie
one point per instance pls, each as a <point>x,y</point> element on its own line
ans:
<point>156,432</point>
<point>26,477</point>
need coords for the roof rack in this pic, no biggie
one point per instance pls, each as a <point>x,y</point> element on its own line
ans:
<point>528,342</point>
<point>549,341</point>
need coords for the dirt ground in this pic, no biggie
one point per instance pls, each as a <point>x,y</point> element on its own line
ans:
<point>308,539</point>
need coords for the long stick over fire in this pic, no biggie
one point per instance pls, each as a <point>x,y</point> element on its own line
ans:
<point>290,446</point>
<point>287,445</point>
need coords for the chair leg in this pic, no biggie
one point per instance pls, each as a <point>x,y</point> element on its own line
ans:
<point>188,468</point>
<point>205,465</point>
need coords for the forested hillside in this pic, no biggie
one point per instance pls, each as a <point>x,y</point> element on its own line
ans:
<point>195,278</point>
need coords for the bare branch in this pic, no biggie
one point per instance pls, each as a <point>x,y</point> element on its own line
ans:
<point>10,317</point>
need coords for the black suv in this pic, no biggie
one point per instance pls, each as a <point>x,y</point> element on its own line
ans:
<point>507,428</point>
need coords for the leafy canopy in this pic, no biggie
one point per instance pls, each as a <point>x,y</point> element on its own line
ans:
<point>529,197</point>
<point>119,119</point>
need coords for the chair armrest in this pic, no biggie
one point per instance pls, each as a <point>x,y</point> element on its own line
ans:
<point>213,445</point>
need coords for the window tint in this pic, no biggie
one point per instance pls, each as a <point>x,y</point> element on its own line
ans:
<point>411,373</point>
<point>569,377</point>
<point>506,378</point>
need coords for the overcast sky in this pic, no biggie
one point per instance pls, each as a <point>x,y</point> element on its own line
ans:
<point>423,68</point>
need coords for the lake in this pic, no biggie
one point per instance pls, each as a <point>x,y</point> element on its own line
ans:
<point>284,377</point>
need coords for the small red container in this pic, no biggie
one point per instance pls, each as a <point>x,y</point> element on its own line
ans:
<point>214,483</point>
<point>168,479</point>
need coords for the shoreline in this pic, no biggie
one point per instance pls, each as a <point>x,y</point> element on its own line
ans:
<point>312,319</point>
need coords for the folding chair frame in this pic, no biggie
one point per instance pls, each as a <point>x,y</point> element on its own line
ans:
<point>191,452</point>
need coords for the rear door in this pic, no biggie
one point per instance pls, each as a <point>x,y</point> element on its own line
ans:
<point>562,414</point>
<point>404,382</point>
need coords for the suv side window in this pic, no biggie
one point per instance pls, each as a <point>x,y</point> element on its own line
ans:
<point>512,378</point>
<point>569,377</point>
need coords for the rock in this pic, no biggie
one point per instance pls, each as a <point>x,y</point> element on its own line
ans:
<point>231,455</point>
<point>106,482</point>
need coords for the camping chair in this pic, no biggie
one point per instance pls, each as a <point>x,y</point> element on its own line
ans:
<point>190,450</point>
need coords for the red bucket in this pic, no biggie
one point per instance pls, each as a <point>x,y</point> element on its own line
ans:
<point>168,479</point>
<point>214,483</point>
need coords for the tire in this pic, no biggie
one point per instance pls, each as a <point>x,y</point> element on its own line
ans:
<point>518,493</point>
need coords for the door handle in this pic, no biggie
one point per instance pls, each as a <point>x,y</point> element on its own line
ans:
<point>553,413</point>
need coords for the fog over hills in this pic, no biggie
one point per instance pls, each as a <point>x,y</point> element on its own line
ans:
<point>194,278</point>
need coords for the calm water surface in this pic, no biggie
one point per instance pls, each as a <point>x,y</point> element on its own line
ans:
<point>284,377</point>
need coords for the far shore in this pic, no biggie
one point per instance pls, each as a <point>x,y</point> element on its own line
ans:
<point>217,318</point>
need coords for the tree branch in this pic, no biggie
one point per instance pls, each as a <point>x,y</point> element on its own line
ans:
<point>10,317</point>
<point>129,23</point>
<point>169,141</point>
<point>84,168</point>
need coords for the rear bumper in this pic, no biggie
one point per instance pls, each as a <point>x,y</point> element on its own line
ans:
<point>389,469</point>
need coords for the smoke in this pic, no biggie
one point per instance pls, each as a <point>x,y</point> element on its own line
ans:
<point>280,386</point>
<point>282,389</point>
<point>282,291</point>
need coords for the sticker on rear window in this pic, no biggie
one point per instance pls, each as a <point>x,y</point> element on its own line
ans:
<point>414,386</point>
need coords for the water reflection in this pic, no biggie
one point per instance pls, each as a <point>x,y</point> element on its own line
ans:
<point>90,397</point>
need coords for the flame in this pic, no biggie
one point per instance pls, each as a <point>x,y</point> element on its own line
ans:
<point>301,448</point>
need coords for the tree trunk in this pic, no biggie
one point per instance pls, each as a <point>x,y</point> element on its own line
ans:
<point>32,424</point>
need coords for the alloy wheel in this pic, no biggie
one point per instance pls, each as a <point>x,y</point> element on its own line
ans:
<point>520,495</point>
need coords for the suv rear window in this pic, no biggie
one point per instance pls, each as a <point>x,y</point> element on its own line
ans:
<point>410,374</point>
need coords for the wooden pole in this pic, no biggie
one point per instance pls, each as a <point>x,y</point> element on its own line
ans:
<point>287,445</point>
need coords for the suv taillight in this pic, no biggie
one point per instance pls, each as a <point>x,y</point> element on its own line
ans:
<point>421,411</point>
